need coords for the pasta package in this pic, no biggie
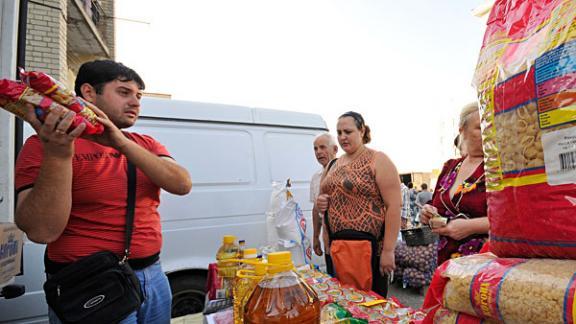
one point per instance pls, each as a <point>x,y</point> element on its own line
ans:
<point>526,83</point>
<point>15,95</point>
<point>446,316</point>
<point>511,290</point>
<point>45,93</point>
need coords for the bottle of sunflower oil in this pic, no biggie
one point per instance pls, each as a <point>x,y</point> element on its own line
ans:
<point>227,257</point>
<point>281,296</point>
<point>246,281</point>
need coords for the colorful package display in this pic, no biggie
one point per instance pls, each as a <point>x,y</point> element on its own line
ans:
<point>45,94</point>
<point>510,290</point>
<point>526,82</point>
<point>329,290</point>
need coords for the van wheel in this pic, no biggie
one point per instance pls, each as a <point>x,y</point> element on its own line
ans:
<point>188,295</point>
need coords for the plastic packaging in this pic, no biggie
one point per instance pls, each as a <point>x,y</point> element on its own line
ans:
<point>511,290</point>
<point>227,257</point>
<point>526,85</point>
<point>282,297</point>
<point>14,96</point>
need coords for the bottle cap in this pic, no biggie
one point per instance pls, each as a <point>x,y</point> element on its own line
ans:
<point>284,257</point>
<point>250,253</point>
<point>228,239</point>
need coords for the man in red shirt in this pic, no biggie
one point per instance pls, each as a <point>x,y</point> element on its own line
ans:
<point>72,189</point>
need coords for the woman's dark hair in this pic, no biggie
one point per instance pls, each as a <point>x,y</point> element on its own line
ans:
<point>98,73</point>
<point>360,124</point>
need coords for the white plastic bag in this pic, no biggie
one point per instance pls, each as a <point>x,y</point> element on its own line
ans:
<point>286,225</point>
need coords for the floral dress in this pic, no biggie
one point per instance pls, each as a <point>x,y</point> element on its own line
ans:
<point>469,201</point>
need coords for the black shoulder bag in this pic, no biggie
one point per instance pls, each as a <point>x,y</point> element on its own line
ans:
<point>99,288</point>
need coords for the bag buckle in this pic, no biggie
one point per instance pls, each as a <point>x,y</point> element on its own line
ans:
<point>125,257</point>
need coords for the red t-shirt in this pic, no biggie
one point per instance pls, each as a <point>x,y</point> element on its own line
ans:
<point>99,191</point>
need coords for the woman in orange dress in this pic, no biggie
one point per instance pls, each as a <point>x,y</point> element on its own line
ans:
<point>361,194</point>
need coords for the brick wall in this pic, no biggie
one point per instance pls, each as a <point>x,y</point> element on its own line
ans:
<point>46,38</point>
<point>107,26</point>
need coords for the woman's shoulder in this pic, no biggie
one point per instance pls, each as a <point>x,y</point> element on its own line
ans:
<point>452,162</point>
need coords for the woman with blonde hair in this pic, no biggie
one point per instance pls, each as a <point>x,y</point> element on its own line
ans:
<point>361,194</point>
<point>460,195</point>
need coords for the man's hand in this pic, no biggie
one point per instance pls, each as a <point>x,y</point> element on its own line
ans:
<point>317,247</point>
<point>112,136</point>
<point>53,133</point>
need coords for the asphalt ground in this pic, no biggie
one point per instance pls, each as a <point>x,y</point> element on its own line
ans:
<point>412,297</point>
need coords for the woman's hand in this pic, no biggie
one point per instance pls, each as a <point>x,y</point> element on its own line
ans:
<point>317,247</point>
<point>427,212</point>
<point>457,229</point>
<point>387,263</point>
<point>322,202</point>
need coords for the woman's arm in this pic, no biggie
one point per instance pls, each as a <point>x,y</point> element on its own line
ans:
<point>388,183</point>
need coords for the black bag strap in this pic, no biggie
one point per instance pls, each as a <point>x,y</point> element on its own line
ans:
<point>326,221</point>
<point>130,205</point>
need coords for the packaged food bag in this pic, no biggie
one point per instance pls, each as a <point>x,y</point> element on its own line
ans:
<point>526,83</point>
<point>506,290</point>
<point>446,316</point>
<point>44,93</point>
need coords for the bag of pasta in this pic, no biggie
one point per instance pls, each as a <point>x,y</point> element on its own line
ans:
<point>526,82</point>
<point>506,290</point>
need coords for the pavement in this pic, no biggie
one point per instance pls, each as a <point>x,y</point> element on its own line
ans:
<point>412,297</point>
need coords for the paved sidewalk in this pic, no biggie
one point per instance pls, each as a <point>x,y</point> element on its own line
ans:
<point>408,296</point>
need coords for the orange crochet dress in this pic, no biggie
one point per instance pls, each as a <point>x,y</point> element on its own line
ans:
<point>355,200</point>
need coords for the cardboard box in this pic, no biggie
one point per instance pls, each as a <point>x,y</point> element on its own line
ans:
<point>11,241</point>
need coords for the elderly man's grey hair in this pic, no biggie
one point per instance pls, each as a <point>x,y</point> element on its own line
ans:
<point>331,140</point>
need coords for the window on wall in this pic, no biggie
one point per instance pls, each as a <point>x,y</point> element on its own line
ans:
<point>291,155</point>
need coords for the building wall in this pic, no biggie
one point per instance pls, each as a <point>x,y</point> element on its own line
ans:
<point>46,38</point>
<point>107,26</point>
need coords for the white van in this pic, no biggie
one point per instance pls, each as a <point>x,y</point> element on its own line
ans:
<point>233,155</point>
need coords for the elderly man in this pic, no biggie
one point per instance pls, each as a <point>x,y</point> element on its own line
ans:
<point>325,149</point>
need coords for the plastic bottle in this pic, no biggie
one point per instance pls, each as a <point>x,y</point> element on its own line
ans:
<point>281,296</point>
<point>246,281</point>
<point>226,267</point>
<point>241,247</point>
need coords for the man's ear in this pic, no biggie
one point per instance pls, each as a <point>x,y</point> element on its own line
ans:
<point>88,92</point>
<point>335,149</point>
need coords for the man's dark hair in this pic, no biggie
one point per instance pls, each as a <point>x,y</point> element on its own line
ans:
<point>424,186</point>
<point>98,73</point>
<point>410,185</point>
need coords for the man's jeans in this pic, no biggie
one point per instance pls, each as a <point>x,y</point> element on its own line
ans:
<point>157,298</point>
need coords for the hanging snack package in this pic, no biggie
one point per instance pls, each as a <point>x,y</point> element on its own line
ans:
<point>526,83</point>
